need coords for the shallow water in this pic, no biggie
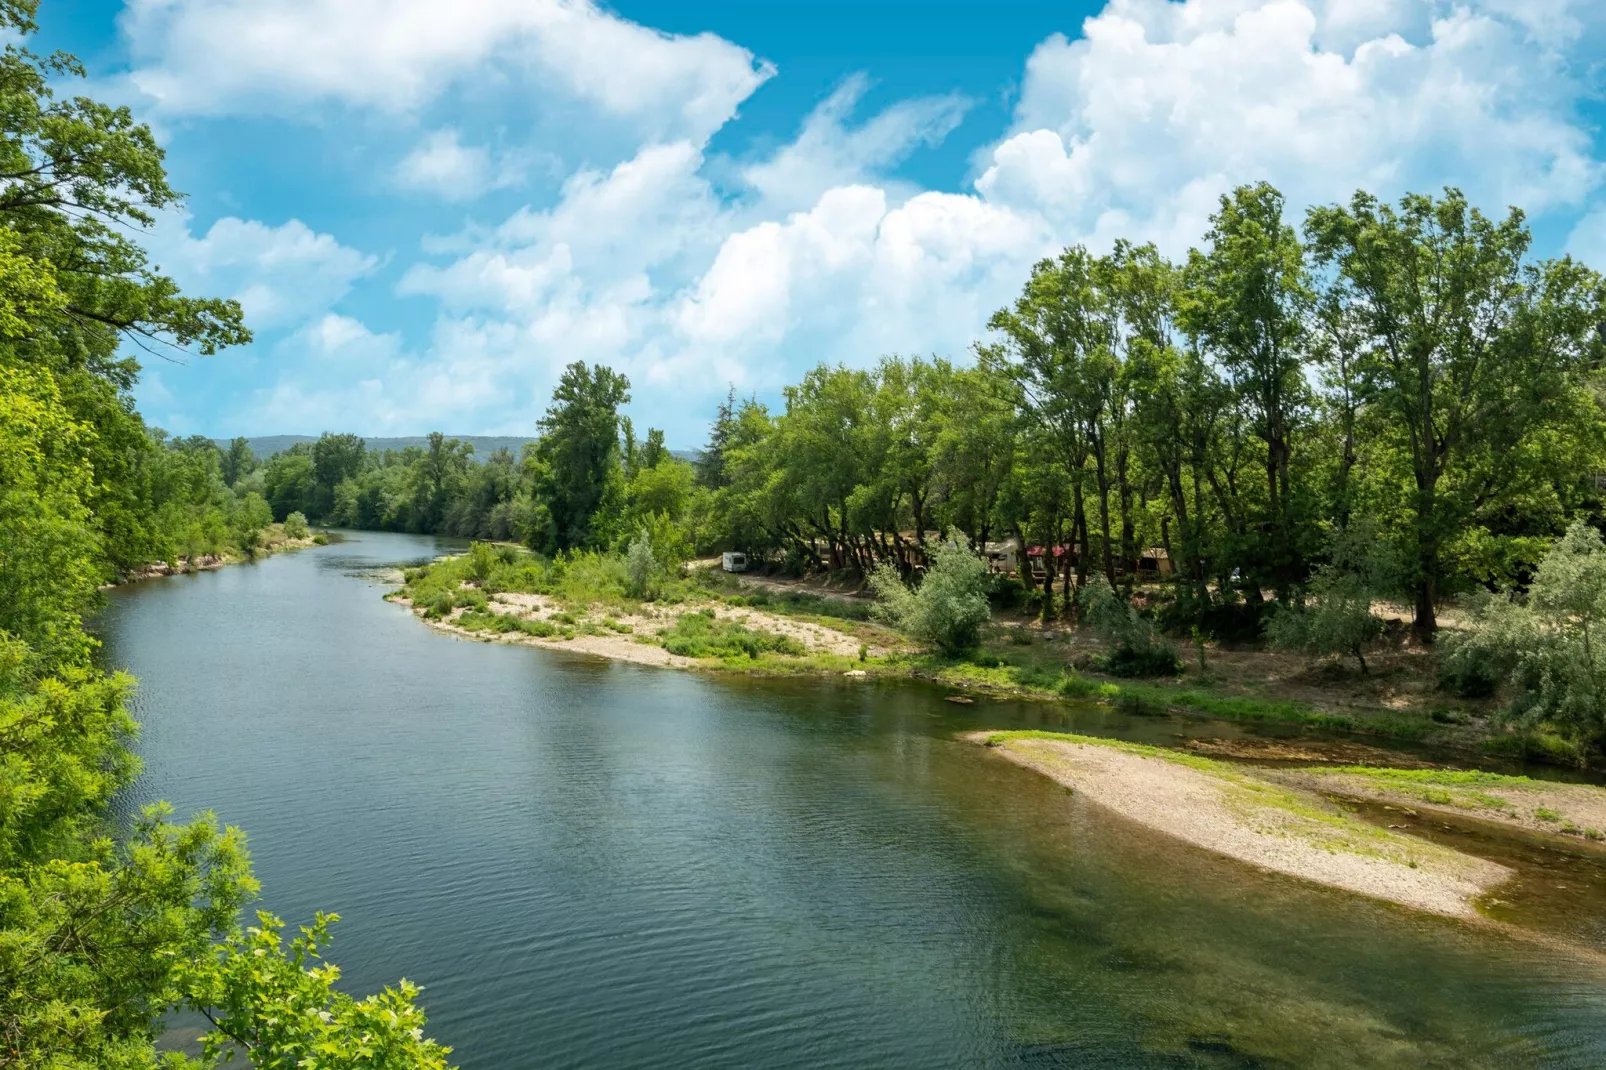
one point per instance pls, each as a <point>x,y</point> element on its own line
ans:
<point>594,864</point>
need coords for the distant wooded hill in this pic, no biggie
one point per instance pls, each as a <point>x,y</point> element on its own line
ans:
<point>265,446</point>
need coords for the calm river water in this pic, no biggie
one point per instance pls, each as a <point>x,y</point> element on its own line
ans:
<point>599,865</point>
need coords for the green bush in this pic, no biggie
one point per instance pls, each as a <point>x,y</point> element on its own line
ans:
<point>1338,619</point>
<point>440,606</point>
<point>703,635</point>
<point>949,607</point>
<point>1548,645</point>
<point>295,526</point>
<point>1468,677</point>
<point>481,562</point>
<point>1136,648</point>
<point>641,566</point>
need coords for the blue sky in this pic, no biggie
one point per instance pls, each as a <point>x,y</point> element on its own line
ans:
<point>428,209</point>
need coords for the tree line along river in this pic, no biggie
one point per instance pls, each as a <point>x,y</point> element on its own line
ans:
<point>597,864</point>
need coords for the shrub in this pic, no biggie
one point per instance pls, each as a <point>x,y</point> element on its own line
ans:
<point>480,561</point>
<point>641,566</point>
<point>703,635</point>
<point>295,526</point>
<point>1551,646</point>
<point>1468,677</point>
<point>1136,648</point>
<point>539,628</point>
<point>1339,618</point>
<point>440,606</point>
<point>949,607</point>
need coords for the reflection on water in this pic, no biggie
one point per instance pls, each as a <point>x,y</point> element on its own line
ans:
<point>591,864</point>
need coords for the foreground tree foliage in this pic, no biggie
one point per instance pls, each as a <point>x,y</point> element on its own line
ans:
<point>103,928</point>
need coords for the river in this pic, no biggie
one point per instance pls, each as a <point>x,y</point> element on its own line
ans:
<point>591,864</point>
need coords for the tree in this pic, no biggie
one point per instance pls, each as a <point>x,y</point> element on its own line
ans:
<point>1136,648</point>
<point>711,461</point>
<point>1472,352</point>
<point>238,461</point>
<point>579,451</point>
<point>290,482</point>
<point>1245,301</point>
<point>295,526</point>
<point>653,452</point>
<point>101,918</point>
<point>1048,338</point>
<point>437,476</point>
<point>251,515</point>
<point>279,1005</point>
<point>334,458</point>
<point>641,566</point>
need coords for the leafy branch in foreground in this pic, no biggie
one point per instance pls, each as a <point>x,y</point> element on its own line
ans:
<point>278,1004</point>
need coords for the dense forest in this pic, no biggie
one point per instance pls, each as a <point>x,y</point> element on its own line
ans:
<point>107,926</point>
<point>1402,380</point>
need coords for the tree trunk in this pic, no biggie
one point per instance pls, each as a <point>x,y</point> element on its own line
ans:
<point>1426,622</point>
<point>1048,584</point>
<point>1079,535</point>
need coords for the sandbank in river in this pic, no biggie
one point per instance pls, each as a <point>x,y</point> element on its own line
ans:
<point>1227,810</point>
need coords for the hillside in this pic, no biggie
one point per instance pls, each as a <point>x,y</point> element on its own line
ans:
<point>265,446</point>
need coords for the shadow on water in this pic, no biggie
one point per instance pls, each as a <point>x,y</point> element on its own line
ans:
<point>594,864</point>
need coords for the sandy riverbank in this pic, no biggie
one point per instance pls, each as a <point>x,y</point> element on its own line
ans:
<point>1275,826</point>
<point>632,636</point>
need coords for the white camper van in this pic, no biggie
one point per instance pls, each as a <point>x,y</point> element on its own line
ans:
<point>734,562</point>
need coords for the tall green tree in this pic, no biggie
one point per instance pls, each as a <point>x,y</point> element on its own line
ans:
<point>1473,352</point>
<point>335,458</point>
<point>238,461</point>
<point>579,452</point>
<point>1245,299</point>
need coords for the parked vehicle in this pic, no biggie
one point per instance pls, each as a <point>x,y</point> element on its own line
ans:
<point>733,561</point>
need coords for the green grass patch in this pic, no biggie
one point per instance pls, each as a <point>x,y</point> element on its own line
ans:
<point>704,635</point>
<point>1455,778</point>
<point>1440,787</point>
<point>1193,761</point>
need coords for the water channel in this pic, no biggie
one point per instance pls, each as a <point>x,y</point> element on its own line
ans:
<point>591,864</point>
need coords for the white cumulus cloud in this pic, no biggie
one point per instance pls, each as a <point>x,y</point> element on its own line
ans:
<point>280,275</point>
<point>1132,129</point>
<point>441,164</point>
<point>216,57</point>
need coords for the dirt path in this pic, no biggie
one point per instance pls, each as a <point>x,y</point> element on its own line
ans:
<point>1223,809</point>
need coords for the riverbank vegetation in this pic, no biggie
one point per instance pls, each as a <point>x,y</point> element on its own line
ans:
<point>1333,436</point>
<point>107,926</point>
